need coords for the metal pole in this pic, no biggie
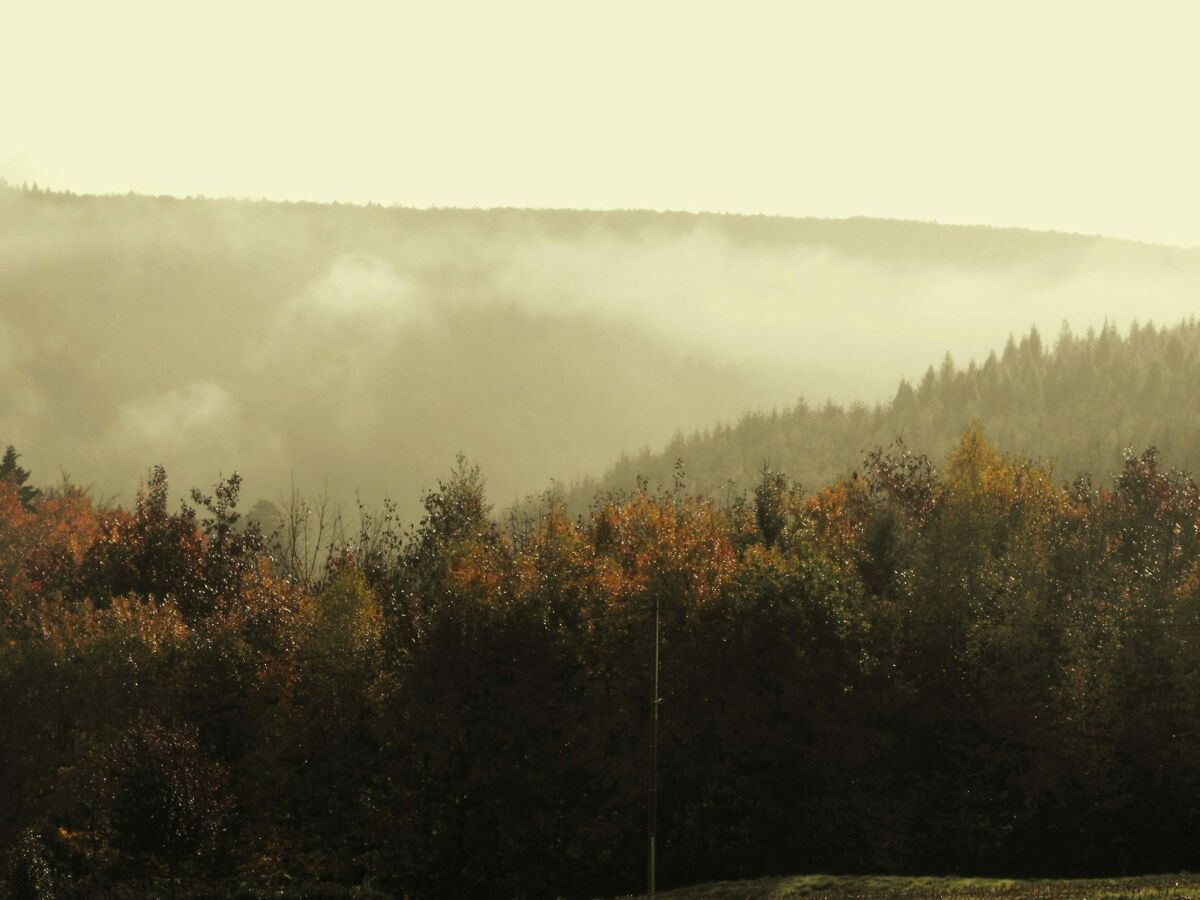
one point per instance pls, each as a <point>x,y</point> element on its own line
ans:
<point>654,701</point>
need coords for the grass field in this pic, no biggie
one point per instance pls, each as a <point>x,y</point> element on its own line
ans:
<point>874,887</point>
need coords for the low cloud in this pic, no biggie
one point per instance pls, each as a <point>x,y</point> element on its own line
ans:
<point>359,286</point>
<point>365,348</point>
<point>179,415</point>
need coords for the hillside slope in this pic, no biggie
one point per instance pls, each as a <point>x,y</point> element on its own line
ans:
<point>361,348</point>
<point>1076,405</point>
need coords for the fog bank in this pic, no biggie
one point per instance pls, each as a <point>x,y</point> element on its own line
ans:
<point>362,348</point>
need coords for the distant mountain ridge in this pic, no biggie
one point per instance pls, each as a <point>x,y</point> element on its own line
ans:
<point>363,347</point>
<point>861,234</point>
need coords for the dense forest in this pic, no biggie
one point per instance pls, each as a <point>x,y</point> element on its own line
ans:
<point>888,642</point>
<point>359,348</point>
<point>1074,405</point>
<point>964,667</point>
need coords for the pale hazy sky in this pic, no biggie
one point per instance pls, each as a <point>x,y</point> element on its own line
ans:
<point>1071,116</point>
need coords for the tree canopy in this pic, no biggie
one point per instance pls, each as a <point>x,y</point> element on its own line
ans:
<point>966,667</point>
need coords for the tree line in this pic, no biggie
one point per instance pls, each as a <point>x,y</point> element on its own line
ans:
<point>1074,405</point>
<point>918,668</point>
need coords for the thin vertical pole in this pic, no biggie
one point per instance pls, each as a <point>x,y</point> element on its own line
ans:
<point>654,701</point>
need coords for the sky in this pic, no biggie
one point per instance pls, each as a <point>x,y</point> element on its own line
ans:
<point>1049,115</point>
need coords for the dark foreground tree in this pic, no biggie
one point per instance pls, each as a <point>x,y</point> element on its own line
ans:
<point>168,800</point>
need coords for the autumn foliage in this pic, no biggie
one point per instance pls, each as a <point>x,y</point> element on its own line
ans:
<point>971,668</point>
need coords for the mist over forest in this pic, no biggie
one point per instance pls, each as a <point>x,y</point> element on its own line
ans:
<point>969,651</point>
<point>1077,404</point>
<point>551,451</point>
<point>359,349</point>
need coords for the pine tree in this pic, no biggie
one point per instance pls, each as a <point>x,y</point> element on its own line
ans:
<point>13,473</point>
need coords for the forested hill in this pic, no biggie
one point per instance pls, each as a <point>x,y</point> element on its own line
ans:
<point>1075,404</point>
<point>362,348</point>
<point>375,227</point>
